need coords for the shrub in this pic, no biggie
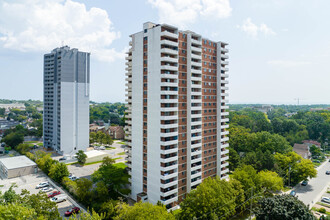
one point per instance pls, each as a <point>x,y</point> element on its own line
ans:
<point>322,210</point>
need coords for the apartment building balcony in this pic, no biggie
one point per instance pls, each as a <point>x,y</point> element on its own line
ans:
<point>196,145</point>
<point>196,49</point>
<point>170,159</point>
<point>196,86</point>
<point>196,138</point>
<point>169,109</point>
<point>169,134</point>
<point>170,192</point>
<point>195,56</point>
<point>223,152</point>
<point>199,181</point>
<point>196,152</point>
<point>169,42</point>
<point>224,62</point>
<point>166,143</point>
<point>224,75</point>
<point>193,41</point>
<point>171,167</point>
<point>224,165</point>
<point>168,92</point>
<point>171,200</point>
<point>169,151</point>
<point>128,57</point>
<point>224,139</point>
<point>224,113</point>
<point>224,56</point>
<point>225,69</point>
<point>224,145</point>
<point>224,50</point>
<point>196,175</point>
<point>169,100</point>
<point>166,126</point>
<point>196,64</point>
<point>171,84</point>
<point>196,71</point>
<point>198,79</point>
<point>169,67</point>
<point>169,59</point>
<point>224,119</point>
<point>224,158</point>
<point>168,76</point>
<point>224,132</point>
<point>196,108</point>
<point>168,34</point>
<point>224,126</point>
<point>196,130</point>
<point>198,167</point>
<point>169,175</point>
<point>224,171</point>
<point>196,160</point>
<point>169,184</point>
<point>169,51</point>
<point>196,115</point>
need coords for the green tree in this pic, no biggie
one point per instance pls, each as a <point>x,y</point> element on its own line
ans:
<point>13,211</point>
<point>45,162</point>
<point>294,165</point>
<point>115,178</point>
<point>109,209</point>
<point>234,159</point>
<point>23,148</point>
<point>84,190</point>
<point>81,157</point>
<point>282,207</point>
<point>13,139</point>
<point>58,171</point>
<point>87,216</point>
<point>143,211</point>
<point>92,137</point>
<point>2,112</point>
<point>212,199</point>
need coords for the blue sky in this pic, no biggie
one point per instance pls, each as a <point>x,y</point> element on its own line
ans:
<point>279,49</point>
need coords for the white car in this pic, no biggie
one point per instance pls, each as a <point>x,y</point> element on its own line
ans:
<point>73,178</point>
<point>46,189</point>
<point>42,185</point>
<point>325,199</point>
<point>102,148</point>
<point>59,198</point>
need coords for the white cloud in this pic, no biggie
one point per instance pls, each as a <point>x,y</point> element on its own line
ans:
<point>288,63</point>
<point>41,25</point>
<point>254,30</point>
<point>182,12</point>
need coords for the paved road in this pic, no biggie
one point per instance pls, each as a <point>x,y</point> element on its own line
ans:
<point>316,187</point>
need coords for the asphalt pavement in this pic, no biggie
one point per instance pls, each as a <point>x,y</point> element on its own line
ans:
<point>316,187</point>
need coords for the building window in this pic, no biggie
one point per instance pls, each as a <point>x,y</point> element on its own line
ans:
<point>145,38</point>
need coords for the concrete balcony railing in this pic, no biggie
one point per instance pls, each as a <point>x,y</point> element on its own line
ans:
<point>169,42</point>
<point>169,34</point>
<point>169,59</point>
<point>170,159</point>
<point>169,67</point>
<point>173,191</point>
<point>172,167</point>
<point>169,51</point>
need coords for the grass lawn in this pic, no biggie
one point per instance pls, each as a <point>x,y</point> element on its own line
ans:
<point>30,142</point>
<point>107,147</point>
<point>40,144</point>
<point>121,142</point>
<point>121,153</point>
<point>120,165</point>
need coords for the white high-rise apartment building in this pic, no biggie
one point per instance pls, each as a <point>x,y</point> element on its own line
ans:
<point>66,100</point>
<point>176,117</point>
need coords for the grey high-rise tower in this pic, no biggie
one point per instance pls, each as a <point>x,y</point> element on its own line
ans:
<point>66,100</point>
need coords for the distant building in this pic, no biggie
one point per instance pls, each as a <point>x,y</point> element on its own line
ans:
<point>288,115</point>
<point>19,106</point>
<point>311,143</point>
<point>263,108</point>
<point>5,125</point>
<point>66,100</point>
<point>12,167</point>
<point>95,128</point>
<point>302,150</point>
<point>116,132</point>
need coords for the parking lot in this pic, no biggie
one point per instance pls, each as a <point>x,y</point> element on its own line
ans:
<point>29,182</point>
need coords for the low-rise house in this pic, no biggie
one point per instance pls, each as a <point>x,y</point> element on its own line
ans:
<point>95,128</point>
<point>302,150</point>
<point>311,143</point>
<point>116,132</point>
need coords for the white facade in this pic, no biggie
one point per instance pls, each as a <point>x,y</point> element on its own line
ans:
<point>176,96</point>
<point>66,100</point>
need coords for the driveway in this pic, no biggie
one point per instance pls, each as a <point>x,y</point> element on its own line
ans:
<point>312,193</point>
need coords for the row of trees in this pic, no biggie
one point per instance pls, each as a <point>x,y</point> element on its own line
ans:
<point>100,137</point>
<point>109,113</point>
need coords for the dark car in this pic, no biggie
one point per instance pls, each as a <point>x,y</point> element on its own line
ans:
<point>293,193</point>
<point>304,183</point>
<point>74,210</point>
<point>327,172</point>
<point>52,194</point>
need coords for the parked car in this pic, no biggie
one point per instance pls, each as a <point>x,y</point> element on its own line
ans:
<point>304,183</point>
<point>102,148</point>
<point>59,198</point>
<point>327,172</point>
<point>46,189</point>
<point>325,199</point>
<point>74,210</point>
<point>73,177</point>
<point>63,158</point>
<point>42,185</point>
<point>96,148</point>
<point>52,194</point>
<point>293,193</point>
